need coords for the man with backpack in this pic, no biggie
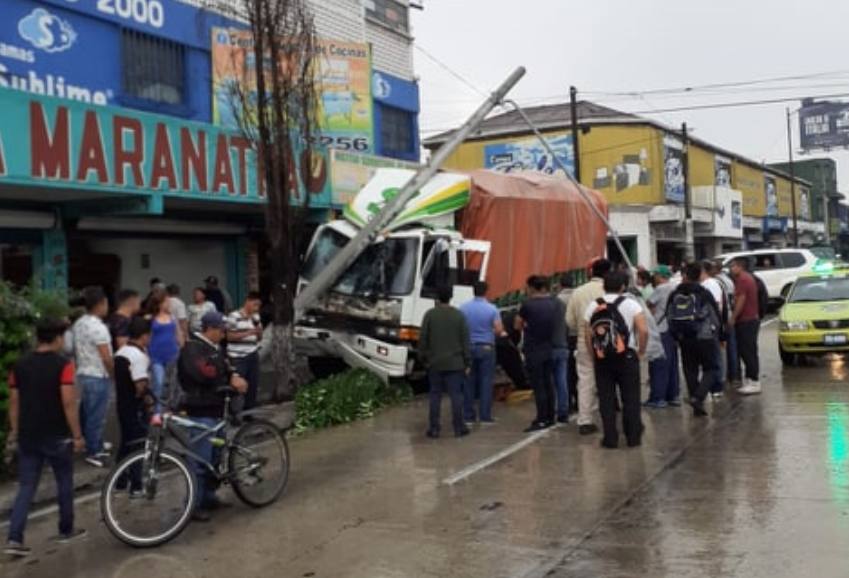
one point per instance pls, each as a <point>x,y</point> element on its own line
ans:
<point>581,298</point>
<point>746,319</point>
<point>617,336</point>
<point>694,320</point>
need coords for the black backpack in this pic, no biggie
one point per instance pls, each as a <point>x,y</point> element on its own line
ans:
<point>608,329</point>
<point>763,297</point>
<point>686,314</point>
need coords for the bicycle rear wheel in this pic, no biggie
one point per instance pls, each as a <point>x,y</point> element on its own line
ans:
<point>156,503</point>
<point>259,463</point>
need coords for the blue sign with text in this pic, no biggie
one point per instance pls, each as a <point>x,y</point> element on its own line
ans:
<point>45,50</point>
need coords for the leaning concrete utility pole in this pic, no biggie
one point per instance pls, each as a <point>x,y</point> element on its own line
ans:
<point>340,263</point>
<point>578,185</point>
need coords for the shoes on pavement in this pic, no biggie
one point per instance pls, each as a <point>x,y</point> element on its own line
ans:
<point>609,445</point>
<point>432,433</point>
<point>673,402</point>
<point>75,534</point>
<point>490,421</point>
<point>699,410</point>
<point>587,429</point>
<point>16,549</point>
<point>717,396</point>
<point>659,404</point>
<point>201,515</point>
<point>107,447</point>
<point>635,443</point>
<point>751,388</point>
<point>536,426</point>
<point>462,433</point>
<point>136,494</point>
<point>95,461</point>
<point>563,419</point>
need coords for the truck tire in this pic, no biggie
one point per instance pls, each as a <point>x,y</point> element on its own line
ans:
<point>322,367</point>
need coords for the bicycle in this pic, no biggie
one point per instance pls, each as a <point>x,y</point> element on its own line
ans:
<point>254,460</point>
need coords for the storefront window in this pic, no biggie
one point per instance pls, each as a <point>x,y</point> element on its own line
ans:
<point>393,14</point>
<point>396,131</point>
<point>153,68</point>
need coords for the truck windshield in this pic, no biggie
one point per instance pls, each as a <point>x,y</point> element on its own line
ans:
<point>386,268</point>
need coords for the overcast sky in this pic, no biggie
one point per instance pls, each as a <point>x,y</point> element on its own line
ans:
<point>609,46</point>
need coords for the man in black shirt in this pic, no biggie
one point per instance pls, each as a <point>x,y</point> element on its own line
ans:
<point>129,305</point>
<point>204,369</point>
<point>44,421</point>
<point>537,318</point>
<point>132,378</point>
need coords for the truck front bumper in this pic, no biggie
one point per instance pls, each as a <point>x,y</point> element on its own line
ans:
<point>387,360</point>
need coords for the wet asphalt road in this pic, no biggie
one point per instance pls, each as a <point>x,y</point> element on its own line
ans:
<point>761,488</point>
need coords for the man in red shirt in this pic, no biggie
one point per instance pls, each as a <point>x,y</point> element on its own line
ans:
<point>44,419</point>
<point>746,321</point>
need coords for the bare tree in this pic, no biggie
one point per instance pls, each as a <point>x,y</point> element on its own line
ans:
<point>276,107</point>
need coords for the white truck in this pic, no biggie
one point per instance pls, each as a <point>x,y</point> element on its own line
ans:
<point>372,314</point>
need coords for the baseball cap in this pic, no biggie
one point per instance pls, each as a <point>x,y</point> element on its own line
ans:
<point>212,280</point>
<point>213,319</point>
<point>663,271</point>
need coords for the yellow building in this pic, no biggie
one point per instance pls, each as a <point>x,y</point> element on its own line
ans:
<point>639,166</point>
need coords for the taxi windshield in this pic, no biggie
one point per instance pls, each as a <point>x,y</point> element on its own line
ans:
<point>810,289</point>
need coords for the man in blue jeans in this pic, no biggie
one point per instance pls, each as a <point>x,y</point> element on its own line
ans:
<point>95,369</point>
<point>44,420</point>
<point>484,323</point>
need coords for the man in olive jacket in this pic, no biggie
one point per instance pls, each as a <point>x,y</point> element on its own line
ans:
<point>444,349</point>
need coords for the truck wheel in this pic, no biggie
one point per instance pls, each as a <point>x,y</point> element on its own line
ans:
<point>322,367</point>
<point>787,359</point>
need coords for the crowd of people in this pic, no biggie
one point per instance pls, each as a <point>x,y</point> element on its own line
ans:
<point>585,348</point>
<point>152,352</point>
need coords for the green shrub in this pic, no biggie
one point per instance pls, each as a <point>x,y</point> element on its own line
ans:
<point>20,310</point>
<point>345,397</point>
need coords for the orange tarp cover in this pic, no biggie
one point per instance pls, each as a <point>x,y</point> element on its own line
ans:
<point>537,224</point>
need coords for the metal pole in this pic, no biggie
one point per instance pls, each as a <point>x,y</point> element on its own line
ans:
<point>689,233</point>
<point>340,263</point>
<point>581,189</point>
<point>576,147</point>
<point>792,180</point>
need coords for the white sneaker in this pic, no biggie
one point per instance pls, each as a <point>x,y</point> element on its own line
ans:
<point>751,388</point>
<point>107,446</point>
<point>95,462</point>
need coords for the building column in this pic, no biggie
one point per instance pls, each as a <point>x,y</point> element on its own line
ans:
<point>50,261</point>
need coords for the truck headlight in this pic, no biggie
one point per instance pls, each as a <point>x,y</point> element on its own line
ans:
<point>794,326</point>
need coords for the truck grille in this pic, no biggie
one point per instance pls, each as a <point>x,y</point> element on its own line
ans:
<point>833,324</point>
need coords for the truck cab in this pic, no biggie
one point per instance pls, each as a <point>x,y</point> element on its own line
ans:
<point>372,315</point>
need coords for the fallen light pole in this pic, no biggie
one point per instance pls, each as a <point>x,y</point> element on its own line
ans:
<point>340,263</point>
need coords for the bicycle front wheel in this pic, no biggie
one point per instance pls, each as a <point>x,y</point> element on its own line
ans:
<point>145,503</point>
<point>259,463</point>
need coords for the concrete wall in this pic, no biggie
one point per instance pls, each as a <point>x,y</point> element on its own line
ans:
<point>633,222</point>
<point>183,261</point>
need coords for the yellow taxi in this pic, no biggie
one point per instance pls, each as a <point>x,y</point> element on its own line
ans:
<point>815,315</point>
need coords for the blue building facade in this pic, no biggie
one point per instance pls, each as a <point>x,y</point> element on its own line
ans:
<point>147,63</point>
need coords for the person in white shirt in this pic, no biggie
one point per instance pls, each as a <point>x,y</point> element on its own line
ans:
<point>617,357</point>
<point>244,333</point>
<point>200,306</point>
<point>178,307</point>
<point>95,368</point>
<point>711,283</point>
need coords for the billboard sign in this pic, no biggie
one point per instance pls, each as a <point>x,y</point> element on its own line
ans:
<point>349,173</point>
<point>771,196</point>
<point>722,172</point>
<point>43,50</point>
<point>529,155</point>
<point>673,169</point>
<point>345,84</point>
<point>49,142</point>
<point>824,124</point>
<point>728,213</point>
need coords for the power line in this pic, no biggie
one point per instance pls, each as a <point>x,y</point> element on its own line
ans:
<point>450,70</point>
